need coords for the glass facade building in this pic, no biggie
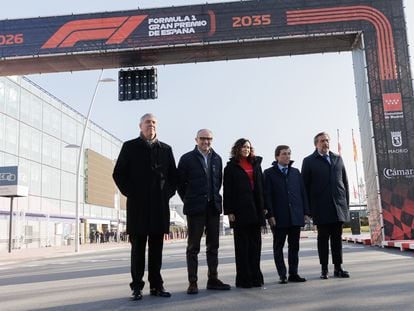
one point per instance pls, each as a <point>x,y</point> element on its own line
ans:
<point>35,130</point>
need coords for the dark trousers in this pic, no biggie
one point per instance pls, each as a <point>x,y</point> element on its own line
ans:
<point>333,233</point>
<point>209,222</point>
<point>247,248</point>
<point>279,238</point>
<point>138,245</point>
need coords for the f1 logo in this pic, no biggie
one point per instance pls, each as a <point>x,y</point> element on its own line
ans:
<point>115,29</point>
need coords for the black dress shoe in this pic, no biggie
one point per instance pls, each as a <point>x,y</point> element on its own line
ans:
<point>324,275</point>
<point>341,274</point>
<point>159,292</point>
<point>216,284</point>
<point>296,278</point>
<point>136,294</point>
<point>283,280</point>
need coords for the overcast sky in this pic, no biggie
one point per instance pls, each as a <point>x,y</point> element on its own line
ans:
<point>271,101</point>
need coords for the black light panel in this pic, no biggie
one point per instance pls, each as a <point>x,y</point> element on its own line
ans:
<point>137,84</point>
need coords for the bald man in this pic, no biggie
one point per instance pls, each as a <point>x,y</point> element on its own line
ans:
<point>199,181</point>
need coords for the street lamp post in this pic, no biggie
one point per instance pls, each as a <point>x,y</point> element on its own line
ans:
<point>117,206</point>
<point>80,154</point>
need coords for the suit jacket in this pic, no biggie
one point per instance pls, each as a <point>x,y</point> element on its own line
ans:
<point>239,199</point>
<point>327,188</point>
<point>146,175</point>
<point>193,184</point>
<point>285,196</point>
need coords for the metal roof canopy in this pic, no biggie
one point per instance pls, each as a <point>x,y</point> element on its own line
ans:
<point>179,54</point>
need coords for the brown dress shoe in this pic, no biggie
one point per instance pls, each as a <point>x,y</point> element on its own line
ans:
<point>192,288</point>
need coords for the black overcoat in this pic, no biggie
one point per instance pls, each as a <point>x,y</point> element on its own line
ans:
<point>327,188</point>
<point>238,197</point>
<point>285,196</point>
<point>146,175</point>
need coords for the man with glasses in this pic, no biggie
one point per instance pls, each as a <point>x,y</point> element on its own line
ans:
<point>199,182</point>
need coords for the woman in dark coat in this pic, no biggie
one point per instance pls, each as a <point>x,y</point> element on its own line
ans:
<point>244,205</point>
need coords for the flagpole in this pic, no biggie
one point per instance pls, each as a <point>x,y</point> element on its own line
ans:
<point>356,165</point>
<point>358,192</point>
<point>339,143</point>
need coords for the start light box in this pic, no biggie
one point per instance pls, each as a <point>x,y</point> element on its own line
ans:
<point>137,84</point>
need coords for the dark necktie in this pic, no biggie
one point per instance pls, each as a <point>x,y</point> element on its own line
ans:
<point>326,157</point>
<point>284,170</point>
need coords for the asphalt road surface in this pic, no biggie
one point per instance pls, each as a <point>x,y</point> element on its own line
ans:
<point>380,280</point>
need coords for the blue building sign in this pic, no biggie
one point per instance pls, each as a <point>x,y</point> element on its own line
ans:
<point>8,175</point>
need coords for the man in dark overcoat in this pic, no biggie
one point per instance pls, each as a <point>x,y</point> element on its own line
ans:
<point>326,185</point>
<point>200,175</point>
<point>287,206</point>
<point>145,173</point>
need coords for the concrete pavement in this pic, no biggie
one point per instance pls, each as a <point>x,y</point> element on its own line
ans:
<point>381,279</point>
<point>30,254</point>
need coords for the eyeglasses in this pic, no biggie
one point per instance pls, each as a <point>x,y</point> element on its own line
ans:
<point>206,138</point>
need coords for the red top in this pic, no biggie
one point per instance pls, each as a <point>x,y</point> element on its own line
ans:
<point>248,168</point>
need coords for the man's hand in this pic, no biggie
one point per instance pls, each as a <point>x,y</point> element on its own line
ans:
<point>272,221</point>
<point>231,217</point>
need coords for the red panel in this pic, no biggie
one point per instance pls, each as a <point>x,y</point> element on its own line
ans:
<point>392,102</point>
